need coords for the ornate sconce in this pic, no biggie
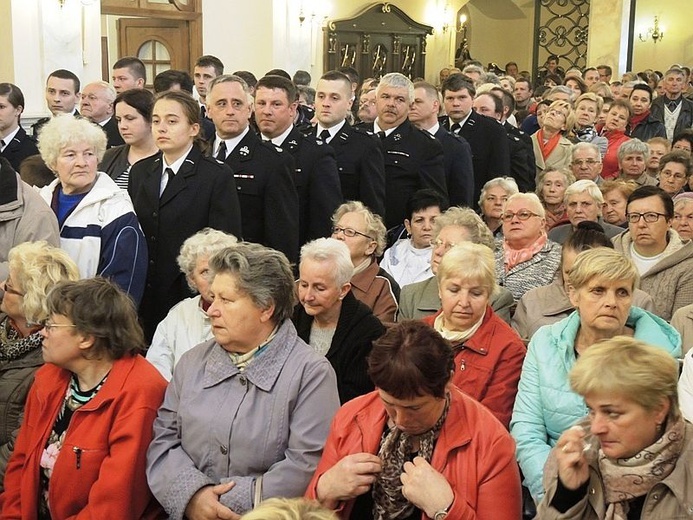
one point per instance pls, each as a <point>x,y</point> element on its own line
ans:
<point>653,32</point>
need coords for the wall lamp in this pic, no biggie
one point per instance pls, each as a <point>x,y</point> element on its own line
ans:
<point>653,32</point>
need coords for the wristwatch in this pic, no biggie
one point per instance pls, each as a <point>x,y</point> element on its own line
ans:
<point>439,515</point>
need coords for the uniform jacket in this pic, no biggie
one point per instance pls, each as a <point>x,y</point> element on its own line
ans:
<point>103,236</point>
<point>202,194</point>
<point>540,270</point>
<point>559,158</point>
<point>550,303</point>
<point>459,168</point>
<point>523,165</point>
<point>266,193</point>
<point>473,452</point>
<point>113,136</point>
<point>108,436</point>
<point>16,377</point>
<point>317,182</point>
<point>670,281</point>
<point>19,148</point>
<point>421,299</point>
<point>685,119</point>
<point>488,365</point>
<point>263,427</point>
<point>357,328</point>
<point>361,167</point>
<point>378,290</point>
<point>490,152</point>
<point>413,160</point>
<point>671,498</point>
<point>545,405</point>
<point>647,129</point>
<point>24,215</point>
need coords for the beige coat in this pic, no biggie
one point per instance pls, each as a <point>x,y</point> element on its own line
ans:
<point>670,499</point>
<point>559,158</point>
<point>683,322</point>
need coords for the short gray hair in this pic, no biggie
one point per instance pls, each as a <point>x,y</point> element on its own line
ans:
<point>333,251</point>
<point>261,273</point>
<point>567,175</point>
<point>108,89</point>
<point>532,198</point>
<point>396,80</point>
<point>479,233</point>
<point>507,183</point>
<point>65,130</point>
<point>560,89</point>
<point>206,242</point>
<point>584,185</point>
<point>585,146</point>
<point>229,78</point>
<point>633,146</point>
<point>375,228</point>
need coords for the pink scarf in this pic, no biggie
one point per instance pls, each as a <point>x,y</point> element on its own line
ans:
<point>513,257</point>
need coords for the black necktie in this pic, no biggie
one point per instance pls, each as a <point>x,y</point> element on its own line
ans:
<point>381,134</point>
<point>165,179</point>
<point>455,128</point>
<point>2,144</point>
<point>324,135</point>
<point>203,111</point>
<point>221,153</point>
<point>672,104</point>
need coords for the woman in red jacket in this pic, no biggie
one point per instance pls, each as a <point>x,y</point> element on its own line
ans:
<point>81,450</point>
<point>488,353</point>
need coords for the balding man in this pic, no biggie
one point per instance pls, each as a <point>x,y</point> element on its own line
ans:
<point>97,105</point>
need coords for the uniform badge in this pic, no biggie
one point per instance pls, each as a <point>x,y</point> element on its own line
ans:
<point>398,137</point>
<point>244,151</point>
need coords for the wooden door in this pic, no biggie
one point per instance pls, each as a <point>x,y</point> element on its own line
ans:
<point>161,44</point>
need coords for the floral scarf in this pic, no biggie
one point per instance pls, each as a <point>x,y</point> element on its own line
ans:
<point>625,479</point>
<point>513,257</point>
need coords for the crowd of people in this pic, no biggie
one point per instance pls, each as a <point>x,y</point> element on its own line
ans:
<point>367,298</point>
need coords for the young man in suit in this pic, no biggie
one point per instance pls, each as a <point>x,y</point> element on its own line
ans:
<point>62,96</point>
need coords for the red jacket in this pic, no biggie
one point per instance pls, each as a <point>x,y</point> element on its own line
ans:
<point>113,431</point>
<point>488,367</point>
<point>611,168</point>
<point>473,452</point>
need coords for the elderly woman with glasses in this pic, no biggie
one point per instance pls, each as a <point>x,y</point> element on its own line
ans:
<point>454,226</point>
<point>488,353</point>
<point>602,282</point>
<point>81,450</point>
<point>364,234</point>
<point>493,195</point>
<point>674,172</point>
<point>34,268</point>
<point>664,261</point>
<point>525,256</point>
<point>551,147</point>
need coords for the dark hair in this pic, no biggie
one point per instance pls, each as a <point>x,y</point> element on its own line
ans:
<point>425,198</point>
<point>272,82</point>
<point>351,73</point>
<point>506,97</point>
<point>99,308</point>
<point>523,79</point>
<point>302,77</point>
<point>581,84</point>
<point>167,79</point>
<point>653,191</point>
<point>14,96</point>
<point>308,93</point>
<point>510,63</point>
<point>34,172</point>
<point>642,86</point>
<point>411,360</point>
<point>210,61</point>
<point>134,65</point>
<point>552,57</point>
<point>335,75</point>
<point>458,81</point>
<point>66,74</point>
<point>606,68</point>
<point>279,72</point>
<point>553,77</point>
<point>684,135</point>
<point>247,76</point>
<point>587,69</point>
<point>497,102</point>
<point>140,99</point>
<point>677,156</point>
<point>587,235</point>
<point>191,110</point>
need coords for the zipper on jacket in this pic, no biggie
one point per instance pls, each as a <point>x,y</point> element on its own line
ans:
<point>78,454</point>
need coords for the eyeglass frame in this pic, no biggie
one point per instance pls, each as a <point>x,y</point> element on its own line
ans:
<point>644,217</point>
<point>507,217</point>
<point>49,325</point>
<point>349,232</point>
<point>9,289</point>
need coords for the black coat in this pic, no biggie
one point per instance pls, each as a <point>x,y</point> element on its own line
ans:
<point>361,167</point>
<point>523,167</point>
<point>317,182</point>
<point>113,136</point>
<point>490,149</point>
<point>357,328</point>
<point>202,194</point>
<point>459,169</point>
<point>19,148</point>
<point>267,195</point>
<point>648,129</point>
<point>413,160</point>
<point>685,119</point>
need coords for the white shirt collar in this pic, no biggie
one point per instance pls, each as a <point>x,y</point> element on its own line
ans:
<point>333,130</point>
<point>433,129</point>
<point>230,143</point>
<point>8,138</point>
<point>279,140</point>
<point>177,164</point>
<point>376,128</point>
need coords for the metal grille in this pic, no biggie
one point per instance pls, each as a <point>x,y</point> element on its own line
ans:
<point>561,28</point>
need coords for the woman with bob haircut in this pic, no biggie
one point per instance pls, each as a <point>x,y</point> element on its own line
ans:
<point>88,419</point>
<point>365,235</point>
<point>187,323</point>
<point>632,456</point>
<point>602,282</point>
<point>418,446</point>
<point>587,109</point>
<point>98,225</point>
<point>246,414</point>
<point>493,195</point>
<point>632,163</point>
<point>488,353</point>
<point>330,319</point>
<point>290,509</point>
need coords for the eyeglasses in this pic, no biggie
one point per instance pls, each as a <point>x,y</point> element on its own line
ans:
<point>435,244</point>
<point>677,176</point>
<point>523,214</point>
<point>348,232</point>
<point>650,217</point>
<point>11,290</point>
<point>49,325</point>
<point>586,162</point>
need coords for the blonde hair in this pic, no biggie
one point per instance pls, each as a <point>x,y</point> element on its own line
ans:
<point>569,114</point>
<point>604,262</point>
<point>37,267</point>
<point>469,261</point>
<point>479,233</point>
<point>290,509</point>
<point>65,130</point>
<point>590,96</point>
<point>626,366</point>
<point>375,228</point>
